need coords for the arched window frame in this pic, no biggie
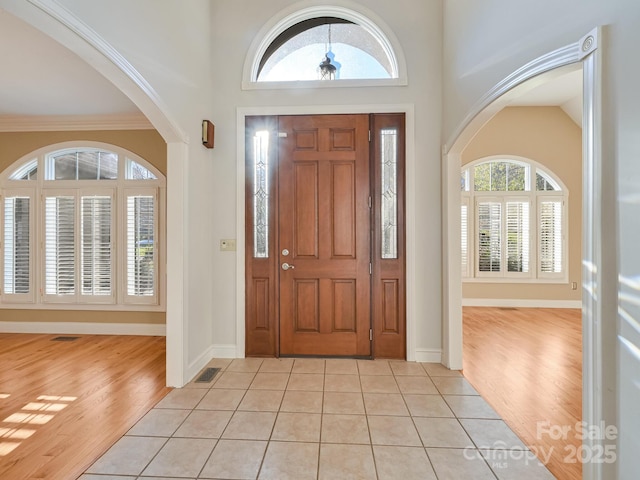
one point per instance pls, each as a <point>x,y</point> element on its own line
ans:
<point>120,191</point>
<point>534,199</point>
<point>292,16</point>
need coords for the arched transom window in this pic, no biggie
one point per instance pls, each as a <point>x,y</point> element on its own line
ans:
<point>513,221</point>
<point>82,226</point>
<point>328,43</point>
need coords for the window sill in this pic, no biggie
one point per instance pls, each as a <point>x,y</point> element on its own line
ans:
<point>359,82</point>
<point>556,281</point>
<point>83,306</point>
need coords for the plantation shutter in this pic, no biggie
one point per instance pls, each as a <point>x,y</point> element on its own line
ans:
<point>489,236</point>
<point>96,238</point>
<point>550,229</point>
<point>17,248</point>
<point>60,245</point>
<point>464,237</point>
<point>517,236</point>
<point>141,257</point>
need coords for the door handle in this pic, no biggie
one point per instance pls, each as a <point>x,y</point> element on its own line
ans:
<point>286,266</point>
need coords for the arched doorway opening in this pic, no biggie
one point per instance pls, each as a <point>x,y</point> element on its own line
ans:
<point>584,52</point>
<point>62,26</point>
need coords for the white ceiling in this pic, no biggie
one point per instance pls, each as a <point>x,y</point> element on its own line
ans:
<point>562,88</point>
<point>41,78</point>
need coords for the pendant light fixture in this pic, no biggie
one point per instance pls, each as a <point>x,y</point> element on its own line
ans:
<point>326,70</point>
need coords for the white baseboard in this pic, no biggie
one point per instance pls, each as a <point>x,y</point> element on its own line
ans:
<point>520,303</point>
<point>198,364</point>
<point>84,328</point>
<point>215,351</point>
<point>224,351</point>
<point>429,355</point>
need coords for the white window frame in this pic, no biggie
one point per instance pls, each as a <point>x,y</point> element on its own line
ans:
<point>470,198</point>
<point>36,189</point>
<point>78,194</point>
<point>502,201</point>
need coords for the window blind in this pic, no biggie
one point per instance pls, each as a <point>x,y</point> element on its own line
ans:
<point>550,226</point>
<point>464,235</point>
<point>517,236</point>
<point>141,246</point>
<point>489,236</point>
<point>96,250</point>
<point>60,247</point>
<point>17,246</point>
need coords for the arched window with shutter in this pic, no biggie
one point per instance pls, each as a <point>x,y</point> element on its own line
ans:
<point>82,227</point>
<point>513,221</point>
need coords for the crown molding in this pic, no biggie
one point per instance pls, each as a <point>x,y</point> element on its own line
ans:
<point>54,123</point>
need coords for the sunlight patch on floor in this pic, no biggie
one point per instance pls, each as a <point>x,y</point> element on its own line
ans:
<point>12,427</point>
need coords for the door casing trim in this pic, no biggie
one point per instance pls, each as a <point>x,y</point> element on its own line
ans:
<point>410,210</point>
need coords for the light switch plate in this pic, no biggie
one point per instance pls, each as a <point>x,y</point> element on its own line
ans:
<point>228,245</point>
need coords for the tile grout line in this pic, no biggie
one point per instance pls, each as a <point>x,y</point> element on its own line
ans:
<point>435,472</point>
<point>280,404</point>
<point>413,421</point>
<point>442,395</point>
<point>217,441</point>
<point>230,418</point>
<point>366,416</point>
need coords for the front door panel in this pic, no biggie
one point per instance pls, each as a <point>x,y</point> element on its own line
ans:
<point>324,235</point>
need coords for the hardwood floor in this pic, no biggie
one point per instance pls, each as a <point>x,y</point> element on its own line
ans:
<point>64,403</point>
<point>527,364</point>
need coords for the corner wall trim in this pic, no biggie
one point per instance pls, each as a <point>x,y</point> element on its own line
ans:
<point>82,328</point>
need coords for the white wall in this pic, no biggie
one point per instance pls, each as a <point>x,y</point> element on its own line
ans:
<point>168,42</point>
<point>485,42</point>
<point>192,53</point>
<point>235,23</point>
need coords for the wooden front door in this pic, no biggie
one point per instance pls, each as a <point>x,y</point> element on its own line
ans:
<point>324,235</point>
<point>324,243</point>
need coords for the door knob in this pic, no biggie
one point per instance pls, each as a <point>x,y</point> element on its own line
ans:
<point>286,266</point>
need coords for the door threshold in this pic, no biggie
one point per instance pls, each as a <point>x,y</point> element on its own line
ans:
<point>341,357</point>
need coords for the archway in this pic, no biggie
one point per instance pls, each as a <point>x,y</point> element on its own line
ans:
<point>584,51</point>
<point>62,26</point>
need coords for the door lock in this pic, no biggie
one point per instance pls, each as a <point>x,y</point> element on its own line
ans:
<point>286,266</point>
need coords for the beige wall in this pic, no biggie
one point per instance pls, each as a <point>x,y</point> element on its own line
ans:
<point>548,136</point>
<point>80,316</point>
<point>146,143</point>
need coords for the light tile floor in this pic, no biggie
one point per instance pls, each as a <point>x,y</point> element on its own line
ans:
<point>333,419</point>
